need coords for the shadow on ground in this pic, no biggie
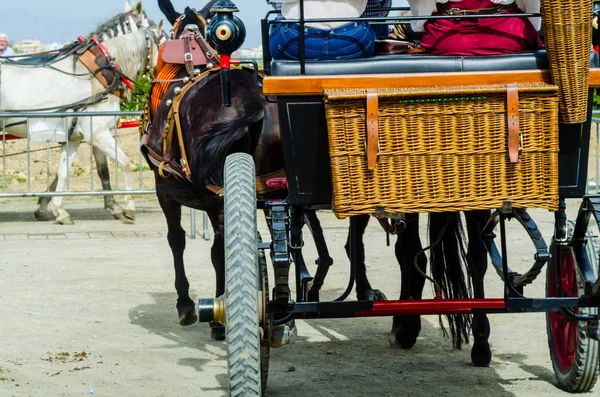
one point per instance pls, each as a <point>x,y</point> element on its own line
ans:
<point>345,357</point>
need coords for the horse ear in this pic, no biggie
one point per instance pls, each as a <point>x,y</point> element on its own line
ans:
<point>138,8</point>
<point>205,11</point>
<point>127,6</point>
<point>168,11</point>
<point>160,25</point>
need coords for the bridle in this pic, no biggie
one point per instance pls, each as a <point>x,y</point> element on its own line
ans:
<point>180,20</point>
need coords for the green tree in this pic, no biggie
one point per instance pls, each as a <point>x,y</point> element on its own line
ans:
<point>140,92</point>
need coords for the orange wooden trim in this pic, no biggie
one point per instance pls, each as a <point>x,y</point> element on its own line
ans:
<point>595,77</point>
<point>315,85</point>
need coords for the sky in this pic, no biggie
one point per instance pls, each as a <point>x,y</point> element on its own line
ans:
<point>62,21</point>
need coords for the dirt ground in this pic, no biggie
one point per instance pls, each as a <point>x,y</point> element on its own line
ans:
<point>90,309</point>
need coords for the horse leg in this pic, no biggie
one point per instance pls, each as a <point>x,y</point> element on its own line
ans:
<point>103,173</point>
<point>481,354</point>
<point>217,256</point>
<point>324,261</point>
<point>408,244</point>
<point>364,291</point>
<point>176,238</point>
<point>105,143</point>
<point>42,213</point>
<point>67,154</point>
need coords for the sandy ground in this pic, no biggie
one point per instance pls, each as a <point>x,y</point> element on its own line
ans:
<point>90,309</point>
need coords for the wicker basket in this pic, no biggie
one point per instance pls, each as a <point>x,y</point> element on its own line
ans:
<point>443,149</point>
<point>568,37</point>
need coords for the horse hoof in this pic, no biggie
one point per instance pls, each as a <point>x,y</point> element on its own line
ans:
<point>371,295</point>
<point>43,216</point>
<point>406,330</point>
<point>379,296</point>
<point>129,215</point>
<point>118,215</point>
<point>65,220</point>
<point>217,332</point>
<point>187,316</point>
<point>481,354</point>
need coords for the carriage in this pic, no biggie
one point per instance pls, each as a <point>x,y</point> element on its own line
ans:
<point>403,134</point>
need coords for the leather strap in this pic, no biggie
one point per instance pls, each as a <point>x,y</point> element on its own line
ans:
<point>218,190</point>
<point>188,58</point>
<point>173,122</point>
<point>512,117</point>
<point>261,182</point>
<point>372,128</point>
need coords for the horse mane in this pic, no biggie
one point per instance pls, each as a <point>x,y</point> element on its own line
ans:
<point>110,27</point>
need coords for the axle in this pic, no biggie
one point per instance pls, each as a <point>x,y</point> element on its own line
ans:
<point>214,309</point>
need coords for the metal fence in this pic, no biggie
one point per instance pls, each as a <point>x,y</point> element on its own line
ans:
<point>47,141</point>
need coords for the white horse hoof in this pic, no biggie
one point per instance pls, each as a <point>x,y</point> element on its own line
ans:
<point>65,220</point>
<point>116,212</point>
<point>129,214</point>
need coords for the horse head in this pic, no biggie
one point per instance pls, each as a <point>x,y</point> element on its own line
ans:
<point>190,16</point>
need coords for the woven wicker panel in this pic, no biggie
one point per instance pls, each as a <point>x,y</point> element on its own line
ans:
<point>443,149</point>
<point>568,38</point>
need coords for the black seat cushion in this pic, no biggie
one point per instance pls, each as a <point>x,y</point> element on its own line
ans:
<point>419,63</point>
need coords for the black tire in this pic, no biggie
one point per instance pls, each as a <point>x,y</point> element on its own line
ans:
<point>241,277</point>
<point>576,368</point>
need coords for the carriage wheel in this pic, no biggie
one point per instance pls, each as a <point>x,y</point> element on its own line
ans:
<point>242,277</point>
<point>573,353</point>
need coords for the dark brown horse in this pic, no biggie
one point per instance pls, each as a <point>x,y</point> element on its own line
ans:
<point>210,132</point>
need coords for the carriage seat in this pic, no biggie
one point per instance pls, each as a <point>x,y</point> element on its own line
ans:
<point>407,63</point>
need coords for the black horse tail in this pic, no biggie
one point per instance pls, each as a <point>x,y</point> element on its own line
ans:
<point>210,150</point>
<point>449,263</point>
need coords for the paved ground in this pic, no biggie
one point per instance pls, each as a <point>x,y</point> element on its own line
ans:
<point>90,309</point>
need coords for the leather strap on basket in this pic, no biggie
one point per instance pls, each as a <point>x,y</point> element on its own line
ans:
<point>512,117</point>
<point>372,128</point>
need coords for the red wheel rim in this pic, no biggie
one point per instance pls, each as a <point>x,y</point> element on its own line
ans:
<point>564,330</point>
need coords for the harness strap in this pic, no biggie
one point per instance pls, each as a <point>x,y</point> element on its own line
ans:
<point>173,120</point>
<point>187,57</point>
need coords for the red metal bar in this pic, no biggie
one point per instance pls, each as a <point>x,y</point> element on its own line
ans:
<point>430,306</point>
<point>128,124</point>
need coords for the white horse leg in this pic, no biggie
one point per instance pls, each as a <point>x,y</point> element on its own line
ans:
<point>104,142</point>
<point>67,154</point>
<point>42,213</point>
<point>104,174</point>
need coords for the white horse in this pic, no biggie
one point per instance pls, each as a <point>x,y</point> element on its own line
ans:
<point>132,40</point>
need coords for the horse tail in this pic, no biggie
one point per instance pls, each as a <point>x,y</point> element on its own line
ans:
<point>449,262</point>
<point>210,150</point>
